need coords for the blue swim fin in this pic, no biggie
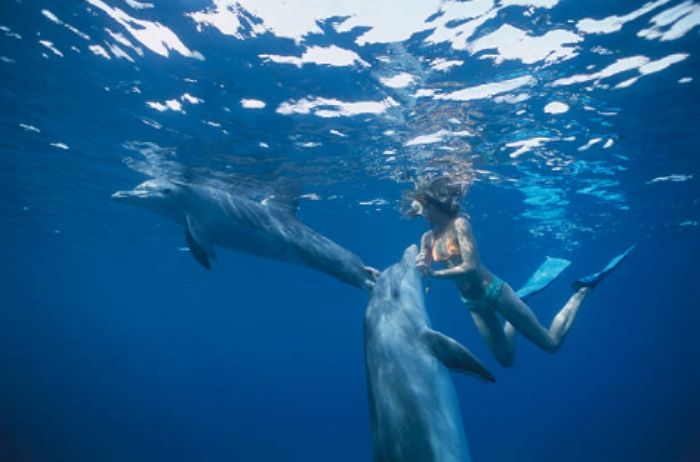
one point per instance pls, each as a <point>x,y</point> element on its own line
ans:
<point>593,279</point>
<point>544,276</point>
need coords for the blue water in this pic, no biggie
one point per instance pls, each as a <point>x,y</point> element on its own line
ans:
<point>115,345</point>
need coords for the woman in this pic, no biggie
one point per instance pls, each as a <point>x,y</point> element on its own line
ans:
<point>451,241</point>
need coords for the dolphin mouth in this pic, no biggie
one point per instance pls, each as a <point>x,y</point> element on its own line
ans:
<point>127,195</point>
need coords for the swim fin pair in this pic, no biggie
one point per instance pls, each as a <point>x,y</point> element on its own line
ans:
<point>553,267</point>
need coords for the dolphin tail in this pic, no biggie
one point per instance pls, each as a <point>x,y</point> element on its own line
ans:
<point>454,355</point>
<point>593,279</point>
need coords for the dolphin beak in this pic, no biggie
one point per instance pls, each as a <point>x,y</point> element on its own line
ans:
<point>127,195</point>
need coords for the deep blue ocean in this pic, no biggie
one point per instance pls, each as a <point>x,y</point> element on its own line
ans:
<point>576,123</point>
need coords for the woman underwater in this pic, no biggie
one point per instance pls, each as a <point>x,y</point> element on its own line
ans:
<point>451,241</point>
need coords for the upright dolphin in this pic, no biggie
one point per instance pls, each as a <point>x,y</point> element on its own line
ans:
<point>212,215</point>
<point>413,407</point>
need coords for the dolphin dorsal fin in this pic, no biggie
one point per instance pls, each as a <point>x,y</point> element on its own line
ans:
<point>454,355</point>
<point>198,242</point>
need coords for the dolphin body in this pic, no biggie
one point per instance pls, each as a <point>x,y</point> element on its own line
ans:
<point>212,215</point>
<point>414,410</point>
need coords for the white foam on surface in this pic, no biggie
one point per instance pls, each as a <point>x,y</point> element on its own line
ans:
<point>385,21</point>
<point>187,98</point>
<point>556,107</point>
<point>444,65</point>
<point>437,137</point>
<point>424,92</point>
<point>608,144</point>
<point>119,53</point>
<point>171,104</point>
<point>376,202</point>
<point>51,47</point>
<point>98,50</point>
<point>9,33</point>
<point>685,80</point>
<point>663,63</point>
<point>619,66</point>
<point>308,144</point>
<point>153,35</point>
<point>335,132</point>
<point>673,23</point>
<point>487,90</point>
<point>53,18</point>
<point>29,128</point>
<point>527,145</point>
<point>675,178</point>
<point>477,12</point>
<point>511,98</point>
<point>652,67</point>
<point>122,40</point>
<point>511,43</point>
<point>223,16</point>
<point>328,56</point>
<point>60,145</point>
<point>400,80</point>
<point>152,123</point>
<point>295,19</point>
<point>614,23</point>
<point>592,142</point>
<point>250,103</point>
<point>138,5</point>
<point>549,4</point>
<point>331,107</point>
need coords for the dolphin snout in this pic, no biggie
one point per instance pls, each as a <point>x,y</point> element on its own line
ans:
<point>128,195</point>
<point>121,195</point>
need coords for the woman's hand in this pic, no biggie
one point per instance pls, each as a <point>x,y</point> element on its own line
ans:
<point>422,265</point>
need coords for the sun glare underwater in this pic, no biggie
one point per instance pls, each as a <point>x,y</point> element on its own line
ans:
<point>277,141</point>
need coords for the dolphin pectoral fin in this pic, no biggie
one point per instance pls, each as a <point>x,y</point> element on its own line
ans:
<point>543,277</point>
<point>198,241</point>
<point>200,235</point>
<point>196,250</point>
<point>454,355</point>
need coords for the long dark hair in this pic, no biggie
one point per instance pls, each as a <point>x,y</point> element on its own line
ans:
<point>441,192</point>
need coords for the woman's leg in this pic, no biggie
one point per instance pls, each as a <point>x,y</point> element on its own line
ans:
<point>515,311</point>
<point>499,339</point>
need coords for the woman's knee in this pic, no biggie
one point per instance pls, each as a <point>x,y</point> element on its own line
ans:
<point>550,345</point>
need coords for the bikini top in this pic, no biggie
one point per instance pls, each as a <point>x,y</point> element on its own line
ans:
<point>445,248</point>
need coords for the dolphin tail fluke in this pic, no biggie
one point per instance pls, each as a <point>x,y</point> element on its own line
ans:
<point>593,279</point>
<point>454,355</point>
<point>543,277</point>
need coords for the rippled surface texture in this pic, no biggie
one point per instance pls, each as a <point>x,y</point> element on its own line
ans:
<point>576,124</point>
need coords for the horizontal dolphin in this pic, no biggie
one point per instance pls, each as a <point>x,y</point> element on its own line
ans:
<point>414,411</point>
<point>212,215</point>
